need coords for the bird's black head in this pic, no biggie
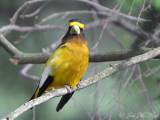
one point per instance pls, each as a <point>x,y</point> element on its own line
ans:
<point>75,27</point>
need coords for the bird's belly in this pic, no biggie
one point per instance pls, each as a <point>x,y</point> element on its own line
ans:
<point>69,74</point>
<point>67,78</point>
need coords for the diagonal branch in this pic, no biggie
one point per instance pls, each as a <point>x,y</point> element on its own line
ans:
<point>17,28</point>
<point>11,49</point>
<point>16,14</point>
<point>111,11</point>
<point>86,83</point>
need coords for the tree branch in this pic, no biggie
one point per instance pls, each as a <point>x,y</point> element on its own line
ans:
<point>100,8</point>
<point>85,83</point>
<point>9,28</point>
<point>19,57</point>
<point>16,14</point>
<point>25,72</point>
<point>10,48</point>
<point>110,12</point>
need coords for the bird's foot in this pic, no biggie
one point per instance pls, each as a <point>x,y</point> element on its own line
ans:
<point>69,89</point>
<point>78,86</point>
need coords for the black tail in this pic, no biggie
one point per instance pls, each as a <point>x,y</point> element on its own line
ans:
<point>34,95</point>
<point>63,101</point>
<point>40,91</point>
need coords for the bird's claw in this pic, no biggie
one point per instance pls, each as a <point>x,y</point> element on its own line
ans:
<point>69,90</point>
<point>78,86</point>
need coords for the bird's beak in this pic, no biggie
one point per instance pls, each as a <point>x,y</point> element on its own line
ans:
<point>76,29</point>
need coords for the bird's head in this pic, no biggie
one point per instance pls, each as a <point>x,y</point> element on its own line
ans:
<point>75,27</point>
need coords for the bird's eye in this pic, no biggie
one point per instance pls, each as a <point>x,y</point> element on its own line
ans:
<point>75,30</point>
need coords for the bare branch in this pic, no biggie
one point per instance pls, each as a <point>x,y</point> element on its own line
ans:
<point>24,72</point>
<point>117,21</point>
<point>10,48</point>
<point>110,11</point>
<point>9,28</point>
<point>106,11</point>
<point>58,14</point>
<point>16,14</point>
<point>113,56</point>
<point>85,83</point>
<point>34,13</point>
<point>19,57</point>
<point>129,27</point>
<point>141,11</point>
<point>37,58</point>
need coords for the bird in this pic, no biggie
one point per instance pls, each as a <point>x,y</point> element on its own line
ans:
<point>67,64</point>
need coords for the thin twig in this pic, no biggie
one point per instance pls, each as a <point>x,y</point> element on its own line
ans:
<point>108,10</point>
<point>24,72</point>
<point>141,11</point>
<point>8,28</point>
<point>16,14</point>
<point>34,13</point>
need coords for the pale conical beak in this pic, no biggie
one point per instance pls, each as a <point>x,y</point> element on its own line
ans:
<point>76,29</point>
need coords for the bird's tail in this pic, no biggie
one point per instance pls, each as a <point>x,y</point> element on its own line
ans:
<point>36,94</point>
<point>63,101</point>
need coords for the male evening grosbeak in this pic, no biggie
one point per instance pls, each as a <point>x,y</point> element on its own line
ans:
<point>67,64</point>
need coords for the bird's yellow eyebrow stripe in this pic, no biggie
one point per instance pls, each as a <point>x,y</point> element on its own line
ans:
<point>77,23</point>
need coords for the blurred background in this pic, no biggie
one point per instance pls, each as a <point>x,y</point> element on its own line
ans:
<point>131,94</point>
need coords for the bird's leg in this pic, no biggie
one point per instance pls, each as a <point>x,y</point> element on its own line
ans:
<point>78,86</point>
<point>68,88</point>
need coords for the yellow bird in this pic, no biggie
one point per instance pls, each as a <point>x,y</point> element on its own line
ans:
<point>67,64</point>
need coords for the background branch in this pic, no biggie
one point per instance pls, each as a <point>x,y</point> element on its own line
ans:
<point>25,70</point>
<point>10,48</point>
<point>37,58</point>
<point>9,28</point>
<point>111,11</point>
<point>16,14</point>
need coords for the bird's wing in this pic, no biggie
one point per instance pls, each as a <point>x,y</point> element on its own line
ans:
<point>43,83</point>
<point>51,66</point>
<point>55,60</point>
<point>45,74</point>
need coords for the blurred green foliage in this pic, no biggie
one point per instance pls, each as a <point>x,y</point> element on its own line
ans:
<point>156,4</point>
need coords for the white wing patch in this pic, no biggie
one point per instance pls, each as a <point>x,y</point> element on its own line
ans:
<point>45,74</point>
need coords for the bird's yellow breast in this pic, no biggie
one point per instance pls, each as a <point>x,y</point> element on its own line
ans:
<point>69,63</point>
